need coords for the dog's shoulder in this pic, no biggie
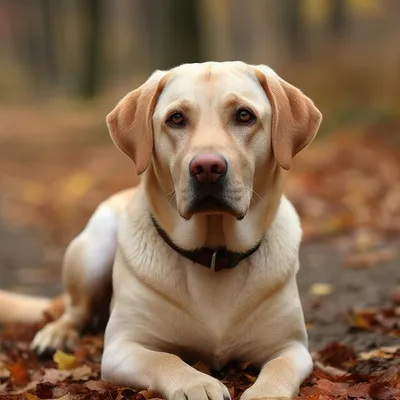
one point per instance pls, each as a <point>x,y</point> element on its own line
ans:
<point>279,250</point>
<point>286,227</point>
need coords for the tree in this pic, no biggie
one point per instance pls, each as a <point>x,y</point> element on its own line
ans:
<point>92,18</point>
<point>174,32</point>
<point>338,18</point>
<point>295,28</point>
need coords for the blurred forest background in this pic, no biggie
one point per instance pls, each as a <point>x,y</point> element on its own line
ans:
<point>64,64</point>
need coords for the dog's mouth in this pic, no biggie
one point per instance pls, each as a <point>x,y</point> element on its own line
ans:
<point>211,205</point>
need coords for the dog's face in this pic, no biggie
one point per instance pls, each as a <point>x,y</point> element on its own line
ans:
<point>215,133</point>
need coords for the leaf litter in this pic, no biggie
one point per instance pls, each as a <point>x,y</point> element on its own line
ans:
<point>339,372</point>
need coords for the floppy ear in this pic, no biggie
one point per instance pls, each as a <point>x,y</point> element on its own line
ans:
<point>295,119</point>
<point>130,123</point>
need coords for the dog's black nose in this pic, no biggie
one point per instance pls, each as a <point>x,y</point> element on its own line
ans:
<point>208,168</point>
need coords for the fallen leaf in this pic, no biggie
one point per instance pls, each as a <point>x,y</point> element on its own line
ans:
<point>380,391</point>
<point>4,371</point>
<point>321,289</point>
<point>382,352</point>
<point>81,373</point>
<point>332,388</point>
<point>98,385</point>
<point>390,374</point>
<point>358,390</point>
<point>53,375</point>
<point>148,394</point>
<point>19,374</point>
<point>337,355</point>
<point>30,396</point>
<point>3,387</point>
<point>359,321</point>
<point>64,360</point>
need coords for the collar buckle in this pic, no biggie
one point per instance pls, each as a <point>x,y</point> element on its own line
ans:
<point>213,260</point>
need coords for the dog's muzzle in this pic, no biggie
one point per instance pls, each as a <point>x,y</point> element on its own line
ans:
<point>208,185</point>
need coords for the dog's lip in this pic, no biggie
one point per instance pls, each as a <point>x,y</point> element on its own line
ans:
<point>210,205</point>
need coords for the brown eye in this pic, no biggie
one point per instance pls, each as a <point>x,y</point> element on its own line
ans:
<point>176,119</point>
<point>244,116</point>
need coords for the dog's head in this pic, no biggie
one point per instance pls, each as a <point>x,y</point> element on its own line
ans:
<point>214,133</point>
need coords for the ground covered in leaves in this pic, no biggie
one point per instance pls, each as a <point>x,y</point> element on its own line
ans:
<point>339,373</point>
<point>346,188</point>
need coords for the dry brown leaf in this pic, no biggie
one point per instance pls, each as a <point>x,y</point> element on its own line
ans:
<point>98,385</point>
<point>19,374</point>
<point>380,391</point>
<point>149,394</point>
<point>53,375</point>
<point>358,390</point>
<point>82,373</point>
<point>30,396</point>
<point>332,388</point>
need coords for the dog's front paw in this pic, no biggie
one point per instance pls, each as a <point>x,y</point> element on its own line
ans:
<point>56,335</point>
<point>201,387</point>
<point>255,395</point>
<point>266,398</point>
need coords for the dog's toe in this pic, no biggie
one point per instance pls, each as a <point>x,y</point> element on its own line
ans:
<point>210,389</point>
<point>54,336</point>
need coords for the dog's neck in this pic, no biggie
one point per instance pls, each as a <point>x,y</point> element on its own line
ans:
<point>213,231</point>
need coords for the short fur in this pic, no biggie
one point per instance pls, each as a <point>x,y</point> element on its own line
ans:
<point>167,310</point>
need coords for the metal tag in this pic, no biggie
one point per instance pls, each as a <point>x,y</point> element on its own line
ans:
<point>213,259</point>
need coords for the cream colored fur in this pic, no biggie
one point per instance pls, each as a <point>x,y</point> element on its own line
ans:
<point>166,309</point>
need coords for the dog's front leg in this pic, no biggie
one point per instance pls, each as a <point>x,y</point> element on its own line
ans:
<point>130,364</point>
<point>281,377</point>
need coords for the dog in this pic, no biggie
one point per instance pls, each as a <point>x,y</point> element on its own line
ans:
<point>203,253</point>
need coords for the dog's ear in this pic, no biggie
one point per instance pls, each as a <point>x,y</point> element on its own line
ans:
<point>295,118</point>
<point>130,123</point>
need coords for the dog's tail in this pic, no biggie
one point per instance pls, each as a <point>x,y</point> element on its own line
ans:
<point>24,308</point>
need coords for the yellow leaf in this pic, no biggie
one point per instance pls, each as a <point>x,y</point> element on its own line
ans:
<point>321,289</point>
<point>359,321</point>
<point>30,396</point>
<point>64,360</point>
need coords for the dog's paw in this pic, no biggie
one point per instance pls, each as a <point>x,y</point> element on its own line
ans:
<point>54,336</point>
<point>201,388</point>
<point>252,395</point>
<point>267,398</point>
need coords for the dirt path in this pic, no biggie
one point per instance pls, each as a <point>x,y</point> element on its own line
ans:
<point>26,267</point>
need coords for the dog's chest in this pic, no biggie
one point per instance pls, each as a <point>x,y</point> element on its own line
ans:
<point>182,307</point>
<point>175,305</point>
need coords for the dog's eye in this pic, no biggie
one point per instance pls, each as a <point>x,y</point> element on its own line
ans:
<point>176,119</point>
<point>245,116</point>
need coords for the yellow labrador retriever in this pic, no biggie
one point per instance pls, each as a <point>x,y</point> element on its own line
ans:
<point>203,254</point>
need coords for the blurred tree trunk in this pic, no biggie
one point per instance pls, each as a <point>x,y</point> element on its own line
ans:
<point>295,28</point>
<point>215,29</point>
<point>49,9</point>
<point>338,18</point>
<point>174,32</point>
<point>91,11</point>
<point>25,20</point>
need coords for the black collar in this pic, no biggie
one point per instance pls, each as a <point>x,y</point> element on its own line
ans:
<point>215,259</point>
